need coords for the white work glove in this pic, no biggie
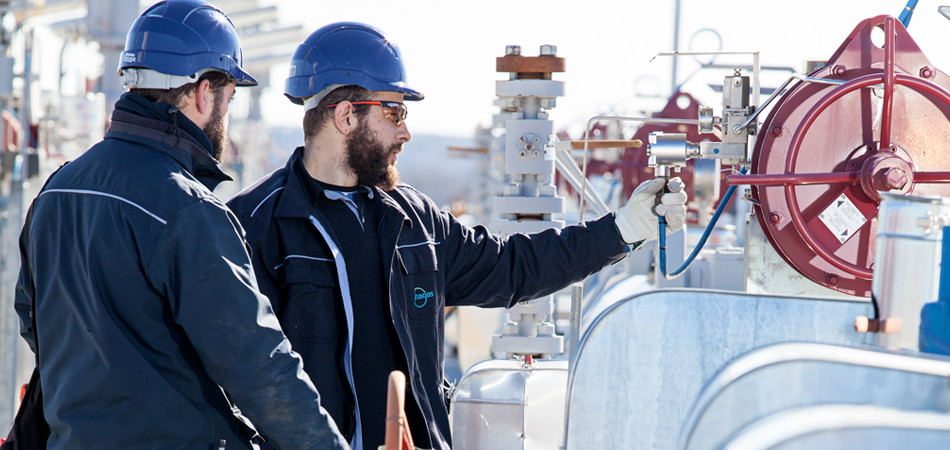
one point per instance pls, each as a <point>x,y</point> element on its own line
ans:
<point>637,222</point>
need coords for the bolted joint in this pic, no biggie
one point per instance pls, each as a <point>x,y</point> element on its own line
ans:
<point>546,329</point>
<point>548,50</point>
<point>514,50</point>
<point>548,103</point>
<point>512,104</point>
<point>895,178</point>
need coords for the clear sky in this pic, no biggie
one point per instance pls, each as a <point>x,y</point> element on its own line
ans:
<point>450,46</point>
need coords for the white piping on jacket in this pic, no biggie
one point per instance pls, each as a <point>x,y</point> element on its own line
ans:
<point>265,199</point>
<point>357,443</point>
<point>103,194</point>
<point>417,245</point>
<point>312,258</point>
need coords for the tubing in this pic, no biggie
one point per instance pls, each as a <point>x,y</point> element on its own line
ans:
<point>702,241</point>
<point>907,13</point>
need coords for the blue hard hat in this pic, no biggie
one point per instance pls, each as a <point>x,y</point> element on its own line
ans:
<point>184,38</point>
<point>347,53</point>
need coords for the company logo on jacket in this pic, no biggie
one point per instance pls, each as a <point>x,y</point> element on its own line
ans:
<point>422,297</point>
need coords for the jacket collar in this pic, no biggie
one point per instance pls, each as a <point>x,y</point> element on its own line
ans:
<point>295,201</point>
<point>163,128</point>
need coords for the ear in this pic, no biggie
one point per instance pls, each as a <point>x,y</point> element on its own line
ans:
<point>204,98</point>
<point>344,117</point>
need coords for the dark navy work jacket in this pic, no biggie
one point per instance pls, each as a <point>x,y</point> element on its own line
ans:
<point>147,308</point>
<point>430,261</point>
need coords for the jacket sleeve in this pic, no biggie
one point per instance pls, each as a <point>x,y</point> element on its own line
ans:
<point>23,298</point>
<point>522,267</point>
<point>202,266</point>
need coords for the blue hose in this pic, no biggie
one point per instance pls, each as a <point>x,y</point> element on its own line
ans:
<point>702,241</point>
<point>907,13</point>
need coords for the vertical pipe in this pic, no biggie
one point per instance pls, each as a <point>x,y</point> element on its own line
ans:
<point>108,22</point>
<point>574,336</point>
<point>676,44</point>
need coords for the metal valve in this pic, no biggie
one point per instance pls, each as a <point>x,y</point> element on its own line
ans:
<point>670,150</point>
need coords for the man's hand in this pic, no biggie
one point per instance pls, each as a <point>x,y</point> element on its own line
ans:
<point>637,221</point>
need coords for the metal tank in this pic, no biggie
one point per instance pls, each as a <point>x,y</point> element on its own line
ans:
<point>906,266</point>
<point>510,405</point>
<point>845,427</point>
<point>643,363</point>
<point>785,377</point>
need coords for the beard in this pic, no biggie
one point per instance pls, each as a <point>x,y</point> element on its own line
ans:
<point>369,158</point>
<point>217,126</point>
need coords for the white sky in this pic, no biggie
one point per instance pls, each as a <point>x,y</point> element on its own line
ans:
<point>450,46</point>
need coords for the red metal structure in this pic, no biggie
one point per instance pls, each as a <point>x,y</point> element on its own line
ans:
<point>825,152</point>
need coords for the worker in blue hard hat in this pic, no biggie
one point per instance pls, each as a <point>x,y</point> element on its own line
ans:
<point>148,321</point>
<point>360,267</point>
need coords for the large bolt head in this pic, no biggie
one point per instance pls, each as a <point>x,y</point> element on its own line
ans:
<point>514,50</point>
<point>895,178</point>
<point>547,49</point>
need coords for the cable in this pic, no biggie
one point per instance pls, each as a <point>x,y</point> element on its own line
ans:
<point>702,241</point>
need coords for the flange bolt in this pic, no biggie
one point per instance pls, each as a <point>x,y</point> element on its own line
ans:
<point>775,218</point>
<point>832,280</point>
<point>895,178</point>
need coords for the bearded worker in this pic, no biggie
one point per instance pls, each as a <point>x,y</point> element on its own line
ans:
<point>136,290</point>
<point>340,247</point>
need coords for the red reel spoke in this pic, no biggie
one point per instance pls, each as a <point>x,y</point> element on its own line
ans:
<point>890,40</point>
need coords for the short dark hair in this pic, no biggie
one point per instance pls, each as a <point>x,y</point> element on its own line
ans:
<point>177,95</point>
<point>315,118</point>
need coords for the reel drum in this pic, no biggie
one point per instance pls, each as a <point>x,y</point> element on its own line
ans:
<point>826,152</point>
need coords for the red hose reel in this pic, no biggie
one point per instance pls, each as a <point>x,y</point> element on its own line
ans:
<point>826,151</point>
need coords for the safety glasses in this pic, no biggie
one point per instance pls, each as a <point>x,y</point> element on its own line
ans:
<point>396,111</point>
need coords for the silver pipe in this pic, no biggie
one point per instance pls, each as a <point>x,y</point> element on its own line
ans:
<point>676,44</point>
<point>572,175</point>
<point>574,336</point>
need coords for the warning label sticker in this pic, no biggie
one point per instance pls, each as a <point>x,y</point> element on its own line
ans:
<point>842,218</point>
